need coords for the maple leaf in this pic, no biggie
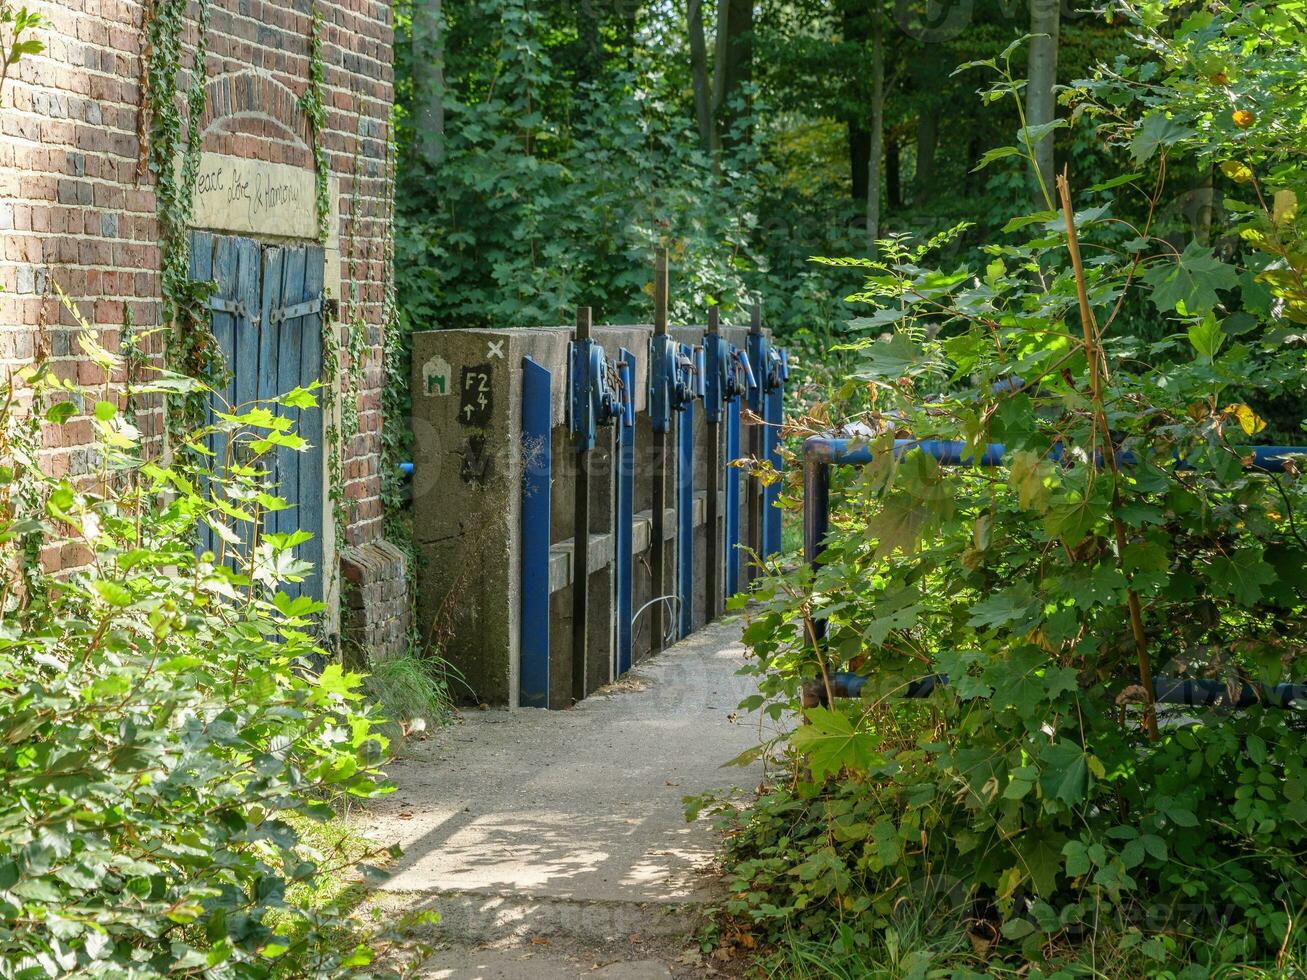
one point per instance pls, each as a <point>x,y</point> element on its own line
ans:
<point>1192,281</point>
<point>832,742</point>
<point>1241,577</point>
<point>1157,129</point>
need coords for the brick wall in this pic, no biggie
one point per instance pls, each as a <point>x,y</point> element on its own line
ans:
<point>73,210</point>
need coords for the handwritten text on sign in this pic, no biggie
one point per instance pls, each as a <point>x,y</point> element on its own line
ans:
<point>255,197</point>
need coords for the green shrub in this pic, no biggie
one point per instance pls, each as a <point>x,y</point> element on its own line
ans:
<point>166,718</point>
<point>1040,803</point>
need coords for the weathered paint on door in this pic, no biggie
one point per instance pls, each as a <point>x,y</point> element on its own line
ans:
<point>267,320</point>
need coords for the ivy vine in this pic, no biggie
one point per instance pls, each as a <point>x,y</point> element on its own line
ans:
<point>189,344</point>
<point>354,346</point>
<point>312,107</point>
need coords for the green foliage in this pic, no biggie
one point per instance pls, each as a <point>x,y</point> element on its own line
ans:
<point>311,104</point>
<point>15,24</point>
<point>554,189</point>
<point>1032,796</point>
<point>168,723</point>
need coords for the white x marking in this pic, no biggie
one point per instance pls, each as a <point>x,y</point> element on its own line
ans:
<point>496,349</point>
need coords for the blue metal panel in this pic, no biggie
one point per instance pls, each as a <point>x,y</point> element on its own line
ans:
<point>245,382</point>
<point>248,273</point>
<point>533,689</point>
<point>312,514</point>
<point>201,270</point>
<point>226,272</point>
<point>773,412</point>
<point>625,511</point>
<point>685,517</point>
<point>285,369</point>
<point>732,533</point>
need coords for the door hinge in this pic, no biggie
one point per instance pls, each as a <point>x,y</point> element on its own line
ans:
<point>236,307</point>
<point>306,308</point>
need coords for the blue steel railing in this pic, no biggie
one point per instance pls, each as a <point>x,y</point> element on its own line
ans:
<point>820,453</point>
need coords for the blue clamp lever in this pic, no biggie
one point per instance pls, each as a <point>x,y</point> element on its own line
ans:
<point>675,379</point>
<point>597,396</point>
<point>727,375</point>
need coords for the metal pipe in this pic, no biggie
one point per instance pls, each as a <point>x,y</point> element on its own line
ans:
<point>685,517</point>
<point>1199,692</point>
<point>731,535</point>
<point>822,452</point>
<point>950,452</point>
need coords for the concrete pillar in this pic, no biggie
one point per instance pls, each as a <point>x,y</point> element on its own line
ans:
<point>467,405</point>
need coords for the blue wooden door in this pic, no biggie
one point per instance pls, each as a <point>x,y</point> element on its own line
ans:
<point>267,310</point>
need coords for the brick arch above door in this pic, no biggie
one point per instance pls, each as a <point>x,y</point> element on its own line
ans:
<point>253,115</point>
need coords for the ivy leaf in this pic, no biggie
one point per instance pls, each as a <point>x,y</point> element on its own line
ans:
<point>897,610</point>
<point>897,526</point>
<point>1043,859</point>
<point>1072,519</point>
<point>1249,421</point>
<point>831,742</point>
<point>1191,281</point>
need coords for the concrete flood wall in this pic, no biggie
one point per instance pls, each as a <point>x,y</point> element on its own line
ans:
<point>469,464</point>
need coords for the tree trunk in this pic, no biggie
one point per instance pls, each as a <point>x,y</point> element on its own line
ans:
<point>923,183</point>
<point>733,63</point>
<point>893,183</point>
<point>589,35</point>
<point>703,96</point>
<point>1041,103</point>
<point>429,81</point>
<point>859,152</point>
<point>877,129</point>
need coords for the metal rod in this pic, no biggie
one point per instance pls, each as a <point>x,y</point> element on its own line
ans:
<point>756,400</point>
<point>773,412</point>
<point>581,549</point>
<point>731,535</point>
<point>658,536</point>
